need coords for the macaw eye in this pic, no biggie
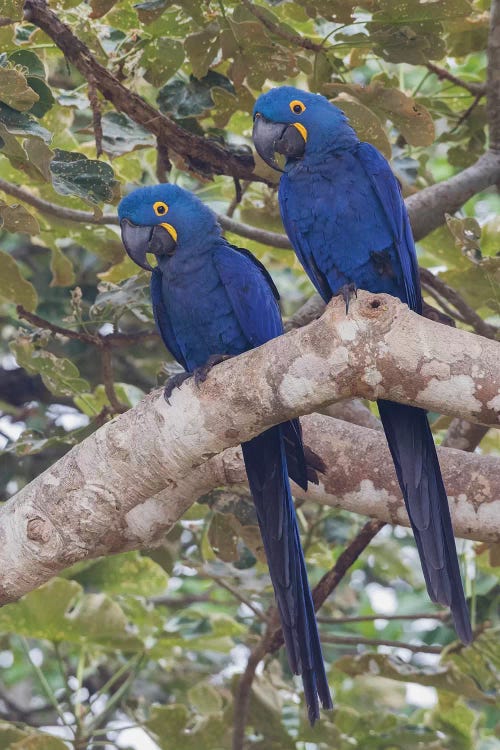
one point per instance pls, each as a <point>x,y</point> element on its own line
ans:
<point>297,107</point>
<point>160,208</point>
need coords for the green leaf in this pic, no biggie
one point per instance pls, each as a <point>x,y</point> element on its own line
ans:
<point>365,122</point>
<point>63,273</point>
<point>444,676</point>
<point>205,698</point>
<point>101,7</point>
<point>169,725</point>
<point>13,286</point>
<point>21,124</point>
<point>89,179</point>
<point>480,661</point>
<point>60,376</point>
<point>411,118</point>
<point>16,218</point>
<point>15,91</point>
<point>414,42</point>
<point>129,573</point>
<point>181,99</point>
<point>45,99</point>
<point>29,60</point>
<point>414,10</point>
<point>161,59</point>
<point>12,9</point>
<point>39,742</point>
<point>222,538</point>
<point>121,135</point>
<point>72,617</point>
<point>201,48</point>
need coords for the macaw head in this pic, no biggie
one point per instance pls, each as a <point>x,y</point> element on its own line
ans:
<point>297,123</point>
<point>163,220</point>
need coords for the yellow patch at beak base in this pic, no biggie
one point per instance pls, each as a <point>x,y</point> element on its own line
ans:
<point>170,230</point>
<point>302,130</point>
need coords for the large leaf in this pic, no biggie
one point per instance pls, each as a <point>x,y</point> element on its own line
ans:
<point>13,286</point>
<point>188,99</point>
<point>17,218</point>
<point>13,738</point>
<point>15,91</point>
<point>89,179</point>
<point>161,59</point>
<point>130,573</point>
<point>19,123</point>
<point>72,616</point>
<point>121,135</point>
<point>444,677</point>
<point>12,9</point>
<point>411,118</point>
<point>201,48</point>
<point>60,376</point>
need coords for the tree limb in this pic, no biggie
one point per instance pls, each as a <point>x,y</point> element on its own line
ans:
<point>202,155</point>
<point>493,81</point>
<point>99,498</point>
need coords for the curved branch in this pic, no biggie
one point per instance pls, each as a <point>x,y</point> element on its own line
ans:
<point>202,155</point>
<point>98,499</point>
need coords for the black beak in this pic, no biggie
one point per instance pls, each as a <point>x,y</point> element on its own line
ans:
<point>276,137</point>
<point>140,240</point>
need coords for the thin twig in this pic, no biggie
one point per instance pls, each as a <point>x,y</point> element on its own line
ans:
<point>273,239</point>
<point>468,112</point>
<point>109,381</point>
<point>262,616</point>
<point>469,315</point>
<point>273,637</point>
<point>371,618</point>
<point>356,640</point>
<point>96,114</point>
<point>98,340</point>
<point>476,89</point>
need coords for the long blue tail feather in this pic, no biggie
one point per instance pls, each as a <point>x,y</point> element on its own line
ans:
<point>417,467</point>
<point>266,468</point>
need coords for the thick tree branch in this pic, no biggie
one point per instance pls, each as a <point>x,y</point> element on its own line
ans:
<point>428,207</point>
<point>493,82</point>
<point>99,498</point>
<point>200,154</point>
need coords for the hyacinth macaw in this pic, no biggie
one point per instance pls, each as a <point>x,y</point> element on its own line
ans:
<point>345,216</point>
<point>210,300</point>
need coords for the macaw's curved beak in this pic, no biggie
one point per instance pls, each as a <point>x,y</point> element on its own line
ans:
<point>277,137</point>
<point>139,240</point>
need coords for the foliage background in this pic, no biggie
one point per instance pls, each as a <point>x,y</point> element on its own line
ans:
<point>146,650</point>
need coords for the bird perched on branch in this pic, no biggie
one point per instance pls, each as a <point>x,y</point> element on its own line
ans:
<point>345,216</point>
<point>212,300</point>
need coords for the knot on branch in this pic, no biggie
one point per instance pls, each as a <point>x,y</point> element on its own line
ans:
<point>39,530</point>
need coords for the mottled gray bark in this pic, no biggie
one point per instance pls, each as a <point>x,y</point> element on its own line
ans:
<point>99,498</point>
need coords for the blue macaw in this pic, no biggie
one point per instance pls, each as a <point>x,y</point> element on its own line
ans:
<point>212,300</point>
<point>345,216</point>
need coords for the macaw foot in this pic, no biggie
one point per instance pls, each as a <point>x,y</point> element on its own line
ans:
<point>201,373</point>
<point>347,292</point>
<point>174,382</point>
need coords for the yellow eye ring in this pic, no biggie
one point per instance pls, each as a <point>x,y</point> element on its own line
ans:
<point>297,107</point>
<point>160,208</point>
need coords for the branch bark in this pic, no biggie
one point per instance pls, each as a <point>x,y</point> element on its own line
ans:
<point>99,498</point>
<point>202,155</point>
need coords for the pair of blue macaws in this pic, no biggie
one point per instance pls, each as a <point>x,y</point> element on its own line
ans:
<point>344,214</point>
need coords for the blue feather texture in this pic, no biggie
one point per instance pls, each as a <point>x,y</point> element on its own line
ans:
<point>211,298</point>
<point>343,211</point>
